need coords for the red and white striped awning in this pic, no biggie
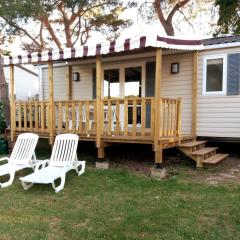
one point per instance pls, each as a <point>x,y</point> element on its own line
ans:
<point>104,48</point>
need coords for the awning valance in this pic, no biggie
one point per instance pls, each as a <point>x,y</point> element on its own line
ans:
<point>104,48</point>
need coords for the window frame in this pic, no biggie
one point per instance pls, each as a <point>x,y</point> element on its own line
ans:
<point>224,84</point>
<point>121,66</point>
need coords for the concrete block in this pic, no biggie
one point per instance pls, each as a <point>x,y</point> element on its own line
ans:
<point>102,165</point>
<point>158,173</point>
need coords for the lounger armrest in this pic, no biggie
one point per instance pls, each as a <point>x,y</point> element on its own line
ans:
<point>4,159</point>
<point>41,164</point>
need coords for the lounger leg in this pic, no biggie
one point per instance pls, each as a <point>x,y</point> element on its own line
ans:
<point>61,186</point>
<point>82,170</point>
<point>26,185</point>
<point>10,181</point>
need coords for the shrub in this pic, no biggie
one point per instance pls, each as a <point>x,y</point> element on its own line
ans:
<point>2,117</point>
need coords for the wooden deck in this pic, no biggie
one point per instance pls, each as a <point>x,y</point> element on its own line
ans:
<point>146,120</point>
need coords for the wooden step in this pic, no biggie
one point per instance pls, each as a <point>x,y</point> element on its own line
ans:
<point>204,151</point>
<point>192,144</point>
<point>215,159</point>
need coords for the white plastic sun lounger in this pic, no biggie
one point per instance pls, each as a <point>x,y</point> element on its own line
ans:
<point>23,156</point>
<point>63,159</point>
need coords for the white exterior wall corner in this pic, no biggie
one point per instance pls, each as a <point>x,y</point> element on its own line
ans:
<point>217,115</point>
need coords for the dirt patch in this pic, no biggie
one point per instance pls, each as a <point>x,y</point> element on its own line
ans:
<point>132,165</point>
<point>227,171</point>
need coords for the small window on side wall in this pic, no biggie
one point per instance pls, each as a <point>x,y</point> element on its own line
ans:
<point>215,75</point>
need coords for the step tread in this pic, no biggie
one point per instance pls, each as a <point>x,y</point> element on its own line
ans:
<point>216,158</point>
<point>192,144</point>
<point>204,151</point>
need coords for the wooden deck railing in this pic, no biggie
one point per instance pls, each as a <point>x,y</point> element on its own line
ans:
<point>170,117</point>
<point>31,116</point>
<point>126,117</point>
<point>76,117</point>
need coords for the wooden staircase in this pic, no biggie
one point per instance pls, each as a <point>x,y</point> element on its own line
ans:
<point>197,151</point>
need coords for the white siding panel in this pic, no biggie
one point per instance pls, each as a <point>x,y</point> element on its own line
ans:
<point>179,85</point>
<point>25,83</point>
<point>60,83</point>
<point>217,116</point>
<point>83,89</point>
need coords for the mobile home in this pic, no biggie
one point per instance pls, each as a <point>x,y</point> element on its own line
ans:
<point>150,90</point>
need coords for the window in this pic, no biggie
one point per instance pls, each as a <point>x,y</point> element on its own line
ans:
<point>111,83</point>
<point>133,81</point>
<point>214,81</point>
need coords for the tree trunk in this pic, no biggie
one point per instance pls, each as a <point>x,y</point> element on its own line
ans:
<point>167,22</point>
<point>168,27</point>
<point>4,95</point>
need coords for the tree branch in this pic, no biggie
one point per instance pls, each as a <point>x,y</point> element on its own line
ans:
<point>186,19</point>
<point>66,22</point>
<point>85,34</point>
<point>81,11</point>
<point>41,37</point>
<point>158,9</point>
<point>17,27</point>
<point>176,8</point>
<point>47,24</point>
<point>78,32</point>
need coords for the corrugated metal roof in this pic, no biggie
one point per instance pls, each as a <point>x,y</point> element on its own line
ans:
<point>221,40</point>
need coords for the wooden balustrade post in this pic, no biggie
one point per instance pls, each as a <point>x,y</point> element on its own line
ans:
<point>12,103</point>
<point>69,79</point>
<point>194,93</point>
<point>51,103</point>
<point>157,123</point>
<point>179,117</point>
<point>99,123</point>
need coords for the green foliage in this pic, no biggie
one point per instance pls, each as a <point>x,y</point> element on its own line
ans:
<point>2,117</point>
<point>172,13</point>
<point>59,22</point>
<point>229,19</point>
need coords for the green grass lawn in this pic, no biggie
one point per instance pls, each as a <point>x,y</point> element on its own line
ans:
<point>116,204</point>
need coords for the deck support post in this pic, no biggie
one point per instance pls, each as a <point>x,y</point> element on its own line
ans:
<point>158,157</point>
<point>199,162</point>
<point>157,123</point>
<point>179,118</point>
<point>99,122</point>
<point>12,102</point>
<point>194,93</point>
<point>51,103</point>
<point>69,78</point>
<point>101,152</point>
